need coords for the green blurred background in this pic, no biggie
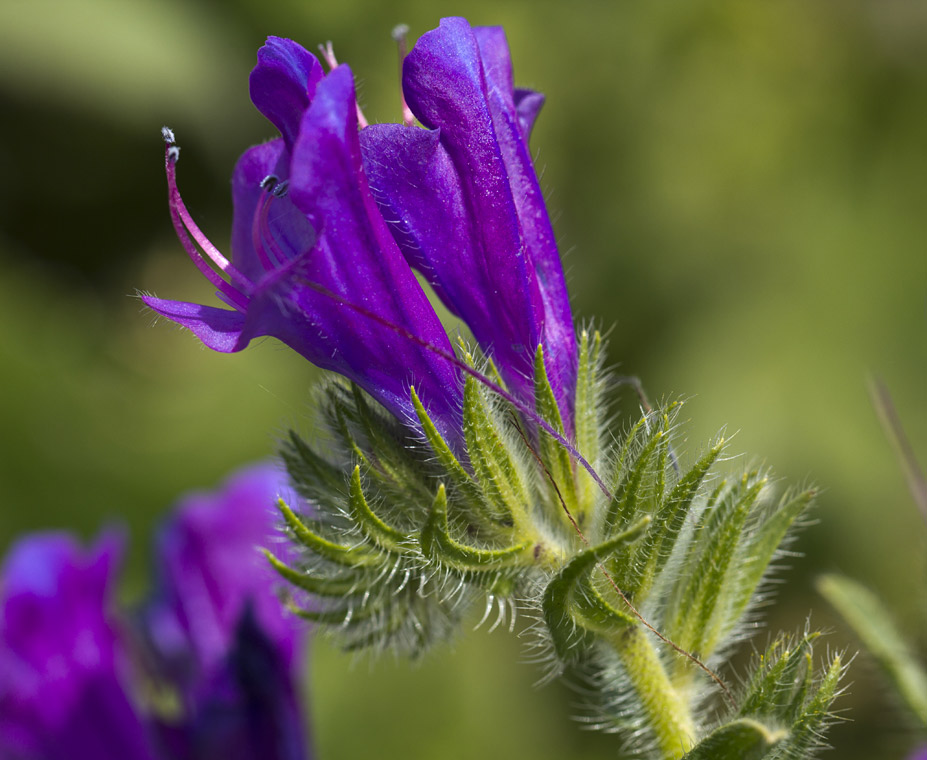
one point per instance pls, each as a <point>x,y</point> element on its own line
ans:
<point>738,188</point>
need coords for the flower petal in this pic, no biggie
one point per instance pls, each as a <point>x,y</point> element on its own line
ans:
<point>292,233</point>
<point>528,105</point>
<point>61,695</point>
<point>250,707</point>
<point>393,339</point>
<point>283,83</point>
<point>415,178</point>
<point>219,329</point>
<point>494,262</point>
<point>559,336</point>
<point>210,572</point>
<point>313,262</point>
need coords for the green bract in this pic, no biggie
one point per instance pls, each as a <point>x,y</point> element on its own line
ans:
<point>638,593</point>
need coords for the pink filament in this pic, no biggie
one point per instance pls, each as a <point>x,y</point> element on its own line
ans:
<point>399,34</point>
<point>328,55</point>
<point>261,233</point>
<point>187,228</point>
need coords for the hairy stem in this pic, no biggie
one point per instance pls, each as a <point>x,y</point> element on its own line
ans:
<point>667,713</point>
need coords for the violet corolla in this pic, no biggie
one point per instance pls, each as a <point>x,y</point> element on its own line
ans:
<point>209,667</point>
<point>313,263</point>
<point>466,206</point>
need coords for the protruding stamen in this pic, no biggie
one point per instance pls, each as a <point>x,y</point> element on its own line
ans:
<point>328,55</point>
<point>258,225</point>
<point>168,134</point>
<point>269,181</point>
<point>186,229</point>
<point>399,35</point>
<point>262,238</point>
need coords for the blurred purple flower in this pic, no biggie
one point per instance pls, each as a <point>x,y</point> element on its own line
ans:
<point>62,692</point>
<point>920,754</point>
<point>217,630</point>
<point>214,635</point>
<point>308,242</point>
<point>466,207</point>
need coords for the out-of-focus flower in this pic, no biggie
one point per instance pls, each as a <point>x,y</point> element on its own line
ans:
<point>217,632</point>
<point>309,245</point>
<point>62,657</point>
<point>921,754</point>
<point>80,681</point>
<point>465,205</point>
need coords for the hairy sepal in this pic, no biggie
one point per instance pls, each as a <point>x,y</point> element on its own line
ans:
<point>573,605</point>
<point>402,534</point>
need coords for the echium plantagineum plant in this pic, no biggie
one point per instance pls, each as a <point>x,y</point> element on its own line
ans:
<point>487,483</point>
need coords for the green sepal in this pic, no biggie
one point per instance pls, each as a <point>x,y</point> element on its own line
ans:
<point>872,624</point>
<point>779,682</point>
<point>438,545</point>
<point>492,372</point>
<point>740,740</point>
<point>389,461</point>
<point>704,579</point>
<point>313,476</point>
<point>571,603</point>
<point>314,584</point>
<point>385,536</point>
<point>624,505</point>
<point>814,713</point>
<point>556,459</point>
<point>339,412</point>
<point>757,554</point>
<point>348,556</point>
<point>341,616</point>
<point>457,476</point>
<point>390,624</point>
<point>587,416</point>
<point>655,549</point>
<point>785,690</point>
<point>629,441</point>
<point>494,469</point>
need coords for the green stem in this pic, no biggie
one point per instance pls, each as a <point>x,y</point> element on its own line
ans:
<point>667,714</point>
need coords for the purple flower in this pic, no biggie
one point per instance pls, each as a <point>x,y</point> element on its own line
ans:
<point>313,262</point>
<point>75,675</point>
<point>468,210</point>
<point>62,692</point>
<point>920,754</point>
<point>218,631</point>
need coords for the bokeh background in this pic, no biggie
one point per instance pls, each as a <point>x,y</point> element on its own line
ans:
<point>738,190</point>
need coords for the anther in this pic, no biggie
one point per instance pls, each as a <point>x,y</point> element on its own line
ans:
<point>281,189</point>
<point>269,181</point>
<point>173,153</point>
<point>168,134</point>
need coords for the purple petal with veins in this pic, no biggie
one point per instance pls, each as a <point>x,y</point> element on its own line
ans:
<point>466,207</point>
<point>313,263</point>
